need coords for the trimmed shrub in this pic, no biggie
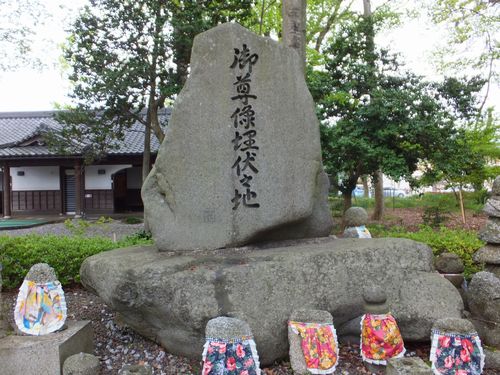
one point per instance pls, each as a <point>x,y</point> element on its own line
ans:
<point>64,253</point>
<point>462,242</point>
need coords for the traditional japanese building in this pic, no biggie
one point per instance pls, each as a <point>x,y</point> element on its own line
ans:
<point>37,180</point>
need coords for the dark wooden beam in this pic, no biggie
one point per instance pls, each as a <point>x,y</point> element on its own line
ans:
<point>6,191</point>
<point>78,189</point>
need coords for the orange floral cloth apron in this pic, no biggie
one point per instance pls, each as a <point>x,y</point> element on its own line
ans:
<point>380,339</point>
<point>319,346</point>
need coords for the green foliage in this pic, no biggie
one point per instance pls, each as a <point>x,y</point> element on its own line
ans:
<point>65,254</point>
<point>141,235</point>
<point>445,202</point>
<point>464,161</point>
<point>18,20</point>
<point>132,220</point>
<point>473,42</point>
<point>79,227</point>
<point>435,216</point>
<point>464,243</point>
<point>375,116</point>
<point>127,58</point>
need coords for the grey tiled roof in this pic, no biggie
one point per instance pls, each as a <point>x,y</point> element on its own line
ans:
<point>17,127</point>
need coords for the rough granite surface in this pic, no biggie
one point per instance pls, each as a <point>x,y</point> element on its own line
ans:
<point>449,263</point>
<point>407,366</point>
<point>227,328</point>
<point>491,231</point>
<point>492,207</point>
<point>483,298</point>
<point>454,325</point>
<point>41,273</point>
<point>170,297</point>
<point>196,195</point>
<point>81,364</point>
<point>355,217</point>
<point>489,254</point>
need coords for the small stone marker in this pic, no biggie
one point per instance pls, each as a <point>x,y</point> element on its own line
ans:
<point>81,364</point>
<point>380,335</point>
<point>451,267</point>
<point>229,346</point>
<point>483,297</point>
<point>375,300</point>
<point>136,370</point>
<point>492,359</point>
<point>309,329</point>
<point>456,348</point>
<point>355,219</point>
<point>449,263</point>
<point>40,307</point>
<point>407,366</point>
<point>241,161</point>
<point>489,256</point>
<point>491,232</point>
<point>45,354</point>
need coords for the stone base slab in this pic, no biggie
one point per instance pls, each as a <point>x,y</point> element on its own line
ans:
<point>171,297</point>
<point>44,355</point>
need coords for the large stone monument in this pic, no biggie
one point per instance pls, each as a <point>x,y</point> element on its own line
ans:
<point>240,167</point>
<point>241,161</point>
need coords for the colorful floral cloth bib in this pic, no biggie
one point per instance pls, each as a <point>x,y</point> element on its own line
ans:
<point>456,354</point>
<point>319,345</point>
<point>380,339</point>
<point>363,232</point>
<point>40,308</point>
<point>230,357</point>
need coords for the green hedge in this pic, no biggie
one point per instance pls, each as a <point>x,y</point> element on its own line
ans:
<point>462,242</point>
<point>64,253</point>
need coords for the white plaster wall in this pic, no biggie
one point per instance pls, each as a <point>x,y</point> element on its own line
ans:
<point>134,178</point>
<point>94,181</point>
<point>35,178</point>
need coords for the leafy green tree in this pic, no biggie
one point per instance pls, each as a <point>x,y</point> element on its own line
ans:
<point>476,145</point>
<point>118,53</point>
<point>470,23</point>
<point>322,20</point>
<point>18,20</point>
<point>374,116</point>
<point>127,58</point>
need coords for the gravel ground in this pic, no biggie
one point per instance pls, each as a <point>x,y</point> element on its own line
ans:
<point>120,229</point>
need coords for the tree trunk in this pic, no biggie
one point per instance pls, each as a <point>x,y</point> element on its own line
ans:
<point>146,156</point>
<point>462,208</point>
<point>294,27</point>
<point>347,200</point>
<point>378,213</point>
<point>366,190</point>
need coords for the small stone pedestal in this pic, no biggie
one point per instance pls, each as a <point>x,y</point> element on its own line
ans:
<point>451,267</point>
<point>375,302</point>
<point>297,360</point>
<point>407,366</point>
<point>35,355</point>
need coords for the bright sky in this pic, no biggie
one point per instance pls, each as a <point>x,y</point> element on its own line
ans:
<point>31,89</point>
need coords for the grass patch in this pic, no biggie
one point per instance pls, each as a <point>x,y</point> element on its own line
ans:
<point>64,253</point>
<point>462,242</point>
<point>132,220</point>
<point>444,202</point>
